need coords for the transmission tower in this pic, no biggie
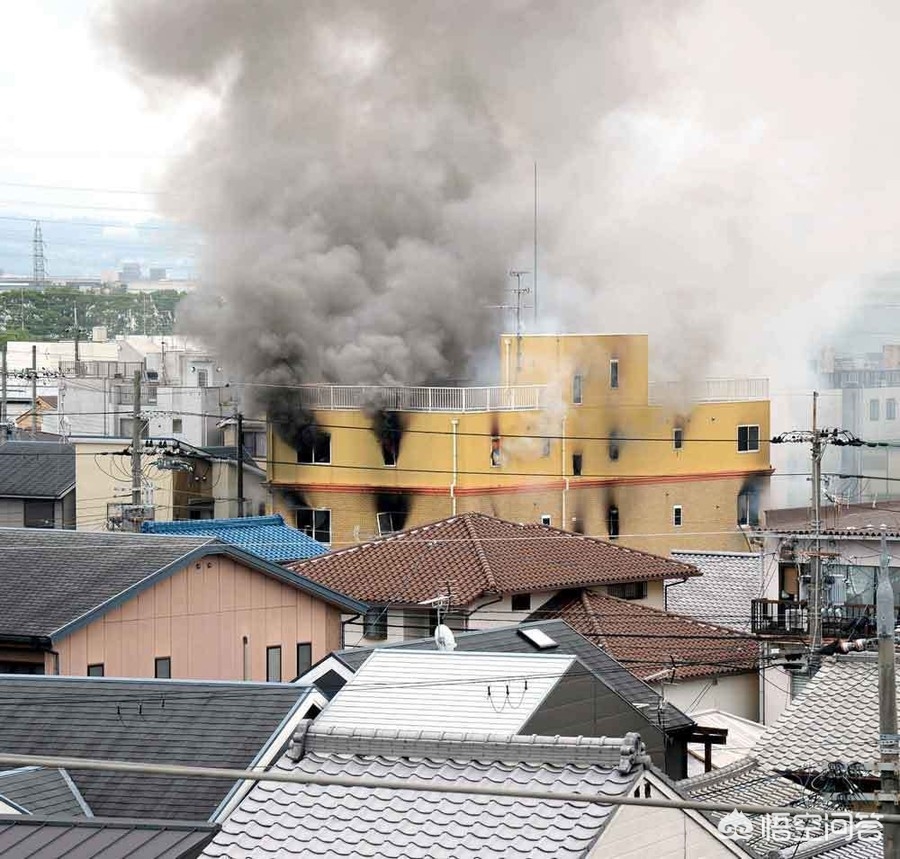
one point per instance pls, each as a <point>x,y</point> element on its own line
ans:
<point>40,270</point>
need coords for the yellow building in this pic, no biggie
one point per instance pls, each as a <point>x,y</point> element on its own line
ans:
<point>571,437</point>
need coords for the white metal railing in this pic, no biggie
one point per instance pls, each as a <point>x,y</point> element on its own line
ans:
<point>712,390</point>
<point>488,399</point>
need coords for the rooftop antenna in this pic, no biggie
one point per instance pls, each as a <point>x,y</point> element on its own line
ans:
<point>444,638</point>
<point>518,290</point>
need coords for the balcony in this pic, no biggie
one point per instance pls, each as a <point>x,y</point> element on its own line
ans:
<point>791,618</point>
<point>100,369</point>
<point>712,390</point>
<point>490,399</point>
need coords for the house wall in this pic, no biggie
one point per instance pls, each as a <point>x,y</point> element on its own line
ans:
<point>663,833</point>
<point>776,692</point>
<point>198,617</point>
<point>12,513</point>
<point>733,693</point>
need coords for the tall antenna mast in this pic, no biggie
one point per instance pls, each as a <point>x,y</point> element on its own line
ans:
<point>40,269</point>
<point>534,277</point>
<point>519,290</point>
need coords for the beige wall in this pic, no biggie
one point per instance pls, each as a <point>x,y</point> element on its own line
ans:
<point>198,617</point>
<point>733,693</point>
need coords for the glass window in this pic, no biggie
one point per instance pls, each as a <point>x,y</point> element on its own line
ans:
<point>375,622</point>
<point>614,373</point>
<point>177,425</point>
<point>95,670</point>
<point>163,667</point>
<point>677,438</point>
<point>612,521</point>
<point>315,523</point>
<point>40,514</point>
<point>273,664</point>
<point>748,438</point>
<point>748,507</point>
<point>873,410</point>
<point>676,515</point>
<point>577,463</point>
<point>546,519</point>
<point>304,657</point>
<point>628,590</point>
<point>521,602</point>
<point>890,409</point>
<point>577,388</point>
<point>315,448</point>
<point>496,452</point>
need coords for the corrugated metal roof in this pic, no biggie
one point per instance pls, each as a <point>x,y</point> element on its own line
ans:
<point>446,691</point>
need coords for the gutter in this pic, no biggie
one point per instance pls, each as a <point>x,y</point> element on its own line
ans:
<point>35,642</point>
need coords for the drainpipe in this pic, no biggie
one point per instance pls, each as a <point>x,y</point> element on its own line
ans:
<point>562,471</point>
<point>344,628</point>
<point>454,428</point>
<point>508,345</point>
<point>666,586</point>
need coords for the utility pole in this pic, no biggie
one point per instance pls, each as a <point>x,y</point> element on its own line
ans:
<point>887,702</point>
<point>3,385</point>
<point>239,444</point>
<point>136,473</point>
<point>534,279</point>
<point>815,602</point>
<point>75,314</point>
<point>34,388</point>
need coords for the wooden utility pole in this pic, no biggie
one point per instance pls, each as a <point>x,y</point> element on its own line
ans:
<point>887,702</point>
<point>136,475</point>
<point>815,596</point>
<point>3,384</point>
<point>34,389</point>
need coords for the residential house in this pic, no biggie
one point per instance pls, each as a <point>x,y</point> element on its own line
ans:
<point>627,703</point>
<point>574,435</point>
<point>269,537</point>
<point>145,605</point>
<point>482,571</point>
<point>740,736</point>
<point>33,417</point>
<point>697,665</point>
<point>37,484</point>
<point>227,725</point>
<point>291,819</point>
<point>55,838</point>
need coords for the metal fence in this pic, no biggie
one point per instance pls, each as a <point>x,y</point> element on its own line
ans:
<point>488,399</point>
<point>713,390</point>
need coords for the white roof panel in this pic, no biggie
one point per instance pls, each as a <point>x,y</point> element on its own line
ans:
<point>463,691</point>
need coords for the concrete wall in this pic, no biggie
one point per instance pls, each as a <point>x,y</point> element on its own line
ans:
<point>733,693</point>
<point>198,617</point>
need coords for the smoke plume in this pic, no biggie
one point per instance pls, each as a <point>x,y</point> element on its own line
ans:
<point>717,174</point>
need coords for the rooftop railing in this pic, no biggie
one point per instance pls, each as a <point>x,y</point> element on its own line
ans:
<point>100,369</point>
<point>713,390</point>
<point>488,399</point>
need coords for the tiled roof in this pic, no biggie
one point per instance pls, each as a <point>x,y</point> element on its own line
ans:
<point>53,578</point>
<point>742,737</point>
<point>42,791</point>
<point>266,536</point>
<point>157,721</point>
<point>26,836</point>
<point>284,820</point>
<point>723,593</point>
<point>843,695</point>
<point>462,691</point>
<point>36,469</point>
<point>478,554</point>
<point>648,641</point>
<point>508,639</point>
<point>860,520</point>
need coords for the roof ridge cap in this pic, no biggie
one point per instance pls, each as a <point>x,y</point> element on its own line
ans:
<point>586,605</point>
<point>481,555</point>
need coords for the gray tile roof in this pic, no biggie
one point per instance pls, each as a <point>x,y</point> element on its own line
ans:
<point>287,820</point>
<point>24,836</point>
<point>158,721</point>
<point>835,718</point>
<point>36,469</point>
<point>508,639</point>
<point>723,593</point>
<point>43,791</point>
<point>51,578</point>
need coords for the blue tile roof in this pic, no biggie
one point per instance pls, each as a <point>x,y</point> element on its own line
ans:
<point>267,537</point>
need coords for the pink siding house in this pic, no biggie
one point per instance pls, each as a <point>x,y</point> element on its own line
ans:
<point>146,605</point>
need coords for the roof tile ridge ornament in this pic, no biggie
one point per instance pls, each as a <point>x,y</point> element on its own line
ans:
<point>585,601</point>
<point>481,555</point>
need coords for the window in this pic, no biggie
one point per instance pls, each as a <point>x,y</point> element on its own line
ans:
<point>628,590</point>
<point>748,507</point>
<point>546,519</point>
<point>40,514</point>
<point>748,438</point>
<point>375,622</point>
<point>577,389</point>
<point>613,446</point>
<point>612,522</point>
<point>202,378</point>
<point>255,443</point>
<point>390,522</point>
<point>315,523</point>
<point>315,448</point>
<point>546,449</point>
<point>162,667</point>
<point>95,670</point>
<point>273,664</point>
<point>890,409</point>
<point>677,438</point>
<point>676,515</point>
<point>577,461</point>
<point>614,373</point>
<point>304,657</point>
<point>125,425</point>
<point>873,410</point>
<point>521,602</point>
<point>177,425</point>
<point>496,453</point>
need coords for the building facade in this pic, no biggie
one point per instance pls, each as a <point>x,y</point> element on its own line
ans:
<point>574,437</point>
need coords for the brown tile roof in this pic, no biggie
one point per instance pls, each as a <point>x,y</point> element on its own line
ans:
<point>648,640</point>
<point>480,555</point>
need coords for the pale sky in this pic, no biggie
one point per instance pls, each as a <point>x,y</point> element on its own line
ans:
<point>72,120</point>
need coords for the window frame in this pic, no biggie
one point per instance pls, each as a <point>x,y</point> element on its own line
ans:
<point>312,529</point>
<point>307,660</point>
<point>748,442</point>
<point>547,520</point>
<point>162,660</point>
<point>376,627</point>
<point>613,373</point>
<point>274,650</point>
<point>45,504</point>
<point>750,507</point>
<point>890,409</point>
<point>526,598</point>
<point>677,515</point>
<point>677,438</point>
<point>179,429</point>
<point>578,389</point>
<point>314,450</point>
<point>628,590</point>
<point>577,464</point>
<point>92,669</point>
<point>874,409</point>
<point>613,528</point>
<point>496,452</point>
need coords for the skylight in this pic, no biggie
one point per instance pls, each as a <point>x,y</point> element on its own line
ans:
<point>537,637</point>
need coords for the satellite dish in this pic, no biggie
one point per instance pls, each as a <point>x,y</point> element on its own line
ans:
<point>444,638</point>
